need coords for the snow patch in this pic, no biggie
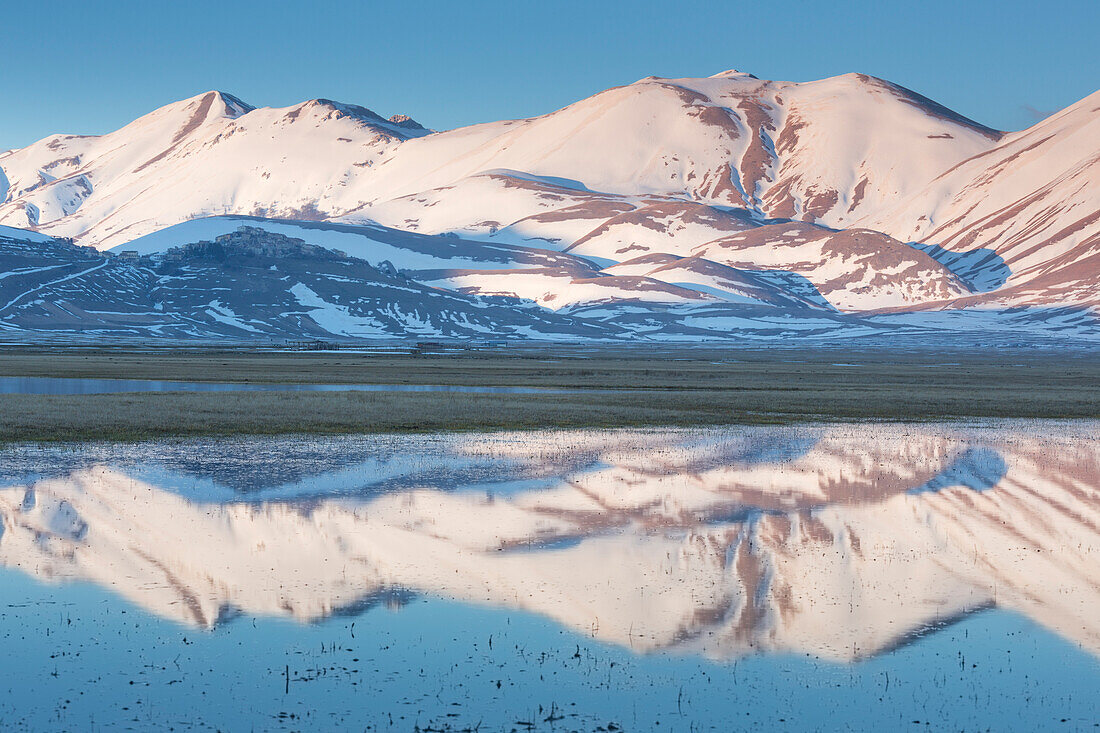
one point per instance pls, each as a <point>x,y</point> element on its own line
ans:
<point>335,318</point>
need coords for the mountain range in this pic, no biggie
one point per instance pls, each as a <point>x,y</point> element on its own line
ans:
<point>725,207</point>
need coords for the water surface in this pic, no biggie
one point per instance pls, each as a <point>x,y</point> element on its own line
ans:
<point>809,578</point>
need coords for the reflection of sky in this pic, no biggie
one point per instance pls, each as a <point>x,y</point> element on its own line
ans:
<point>975,468</point>
<point>76,654</point>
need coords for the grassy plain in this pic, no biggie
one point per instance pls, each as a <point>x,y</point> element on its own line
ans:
<point>610,388</point>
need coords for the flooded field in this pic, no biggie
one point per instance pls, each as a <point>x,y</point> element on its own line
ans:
<point>924,577</point>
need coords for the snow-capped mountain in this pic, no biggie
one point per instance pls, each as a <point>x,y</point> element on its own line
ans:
<point>824,151</point>
<point>211,154</point>
<point>821,151</point>
<point>688,201</point>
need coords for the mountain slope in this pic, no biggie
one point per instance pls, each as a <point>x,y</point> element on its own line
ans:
<point>248,284</point>
<point>242,278</point>
<point>1033,201</point>
<point>847,270</point>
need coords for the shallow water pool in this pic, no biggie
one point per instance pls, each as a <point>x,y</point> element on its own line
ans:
<point>813,578</point>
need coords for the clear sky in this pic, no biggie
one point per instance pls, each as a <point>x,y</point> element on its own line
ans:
<point>84,67</point>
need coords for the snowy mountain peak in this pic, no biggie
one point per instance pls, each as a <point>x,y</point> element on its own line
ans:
<point>349,110</point>
<point>234,106</point>
<point>211,105</point>
<point>406,122</point>
<point>328,109</point>
<point>730,73</point>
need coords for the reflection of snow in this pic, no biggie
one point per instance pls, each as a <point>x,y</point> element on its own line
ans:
<point>840,542</point>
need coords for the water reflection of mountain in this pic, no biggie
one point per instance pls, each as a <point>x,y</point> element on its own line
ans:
<point>263,469</point>
<point>843,541</point>
<point>259,469</point>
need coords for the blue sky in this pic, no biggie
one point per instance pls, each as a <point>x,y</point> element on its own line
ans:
<point>91,67</point>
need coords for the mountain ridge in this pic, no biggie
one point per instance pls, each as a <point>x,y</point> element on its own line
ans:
<point>850,192</point>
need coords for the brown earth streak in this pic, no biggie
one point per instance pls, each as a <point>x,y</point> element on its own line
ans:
<point>539,187</point>
<point>190,126</point>
<point>589,210</point>
<point>857,194</point>
<point>985,153</point>
<point>757,158</point>
<point>970,234</point>
<point>646,216</point>
<point>779,202</point>
<point>930,107</point>
<point>818,203</point>
<point>641,284</point>
<point>657,259</point>
<point>718,117</point>
<point>788,136</point>
<point>1068,258</point>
